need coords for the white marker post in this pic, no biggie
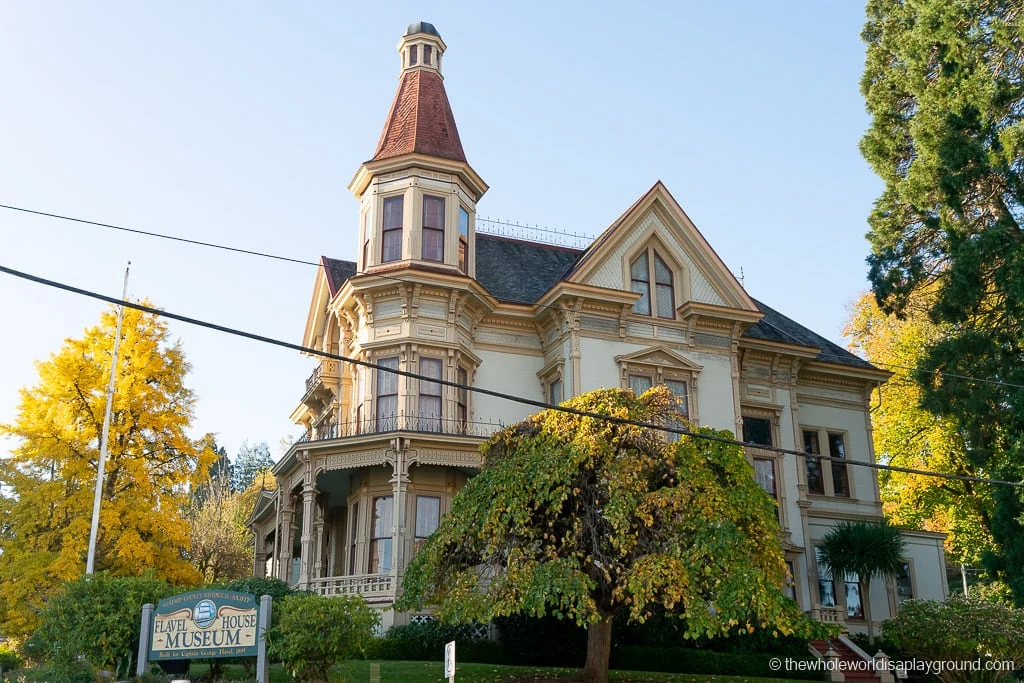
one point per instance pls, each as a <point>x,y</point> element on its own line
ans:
<point>142,666</point>
<point>449,662</point>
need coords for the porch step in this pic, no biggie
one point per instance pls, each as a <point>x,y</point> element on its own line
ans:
<point>851,673</point>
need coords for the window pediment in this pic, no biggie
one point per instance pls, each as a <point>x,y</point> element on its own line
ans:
<point>659,356</point>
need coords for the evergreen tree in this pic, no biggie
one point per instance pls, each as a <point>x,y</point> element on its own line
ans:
<point>250,462</point>
<point>944,83</point>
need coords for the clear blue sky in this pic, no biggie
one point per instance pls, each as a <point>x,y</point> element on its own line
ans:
<point>243,123</point>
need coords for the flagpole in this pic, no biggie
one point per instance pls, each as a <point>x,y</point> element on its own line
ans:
<point>90,563</point>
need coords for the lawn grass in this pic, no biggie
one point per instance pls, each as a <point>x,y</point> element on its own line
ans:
<point>433,672</point>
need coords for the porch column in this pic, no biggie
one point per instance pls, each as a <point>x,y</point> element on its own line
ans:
<point>284,559</point>
<point>305,554</point>
<point>259,552</point>
<point>400,487</point>
<point>318,564</point>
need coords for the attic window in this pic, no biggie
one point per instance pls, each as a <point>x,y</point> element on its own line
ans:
<point>662,298</point>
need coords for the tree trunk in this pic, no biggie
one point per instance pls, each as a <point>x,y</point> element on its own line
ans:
<point>599,650</point>
<point>866,598</point>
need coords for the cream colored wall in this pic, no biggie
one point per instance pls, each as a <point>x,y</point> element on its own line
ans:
<point>928,560</point>
<point>850,421</point>
<point>714,390</point>
<point>510,373</point>
<point>598,366</point>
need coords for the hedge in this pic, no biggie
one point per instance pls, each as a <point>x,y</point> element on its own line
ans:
<point>702,662</point>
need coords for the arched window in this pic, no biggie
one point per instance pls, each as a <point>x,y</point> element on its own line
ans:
<point>662,297</point>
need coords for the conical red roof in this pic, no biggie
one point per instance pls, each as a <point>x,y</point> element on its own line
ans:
<point>420,120</point>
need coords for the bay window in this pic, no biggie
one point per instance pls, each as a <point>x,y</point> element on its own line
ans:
<point>391,249</point>
<point>380,535</point>
<point>387,394</point>
<point>430,395</point>
<point>433,228</point>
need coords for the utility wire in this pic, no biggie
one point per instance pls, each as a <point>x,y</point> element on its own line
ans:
<point>213,245</point>
<point>288,259</point>
<point>488,392</point>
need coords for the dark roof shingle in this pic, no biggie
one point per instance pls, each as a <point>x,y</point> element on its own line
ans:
<point>518,271</point>
<point>776,327</point>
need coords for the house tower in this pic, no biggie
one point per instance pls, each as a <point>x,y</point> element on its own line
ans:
<point>418,194</point>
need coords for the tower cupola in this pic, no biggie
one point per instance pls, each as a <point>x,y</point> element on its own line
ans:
<point>421,47</point>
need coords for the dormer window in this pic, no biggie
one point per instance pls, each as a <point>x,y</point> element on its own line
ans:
<point>433,228</point>
<point>662,298</point>
<point>391,249</point>
<point>412,55</point>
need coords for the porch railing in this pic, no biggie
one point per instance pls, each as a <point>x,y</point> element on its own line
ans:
<point>828,615</point>
<point>372,587</point>
<point>400,423</point>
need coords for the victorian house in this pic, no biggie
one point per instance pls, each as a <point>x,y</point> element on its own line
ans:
<point>648,302</point>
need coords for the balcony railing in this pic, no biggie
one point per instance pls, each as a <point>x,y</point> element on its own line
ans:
<point>372,587</point>
<point>314,378</point>
<point>828,615</point>
<point>328,368</point>
<point>400,423</point>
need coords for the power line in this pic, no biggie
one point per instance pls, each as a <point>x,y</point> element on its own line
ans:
<point>224,247</point>
<point>555,307</point>
<point>488,392</point>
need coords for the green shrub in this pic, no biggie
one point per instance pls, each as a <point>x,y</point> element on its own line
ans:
<point>9,659</point>
<point>961,629</point>
<point>260,586</point>
<point>312,633</point>
<point>543,641</point>
<point>426,641</point>
<point>701,662</point>
<point>95,619</point>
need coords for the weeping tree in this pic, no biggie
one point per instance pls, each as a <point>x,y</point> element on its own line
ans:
<point>592,520</point>
<point>867,549</point>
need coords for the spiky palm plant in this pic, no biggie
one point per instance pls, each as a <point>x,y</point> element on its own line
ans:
<point>867,549</point>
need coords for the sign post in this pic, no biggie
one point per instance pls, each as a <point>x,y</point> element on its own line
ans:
<point>449,661</point>
<point>262,665</point>
<point>142,666</point>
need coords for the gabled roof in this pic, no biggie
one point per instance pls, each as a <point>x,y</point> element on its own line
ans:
<point>337,272</point>
<point>420,120</point>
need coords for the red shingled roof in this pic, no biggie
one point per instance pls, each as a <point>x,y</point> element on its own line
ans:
<point>420,120</point>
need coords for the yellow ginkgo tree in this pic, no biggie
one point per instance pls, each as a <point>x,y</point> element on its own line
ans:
<point>49,481</point>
